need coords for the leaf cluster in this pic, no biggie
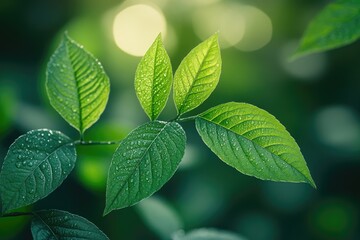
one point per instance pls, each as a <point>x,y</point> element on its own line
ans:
<point>243,136</point>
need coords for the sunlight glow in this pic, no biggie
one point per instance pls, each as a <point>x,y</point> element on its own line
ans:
<point>136,27</point>
<point>245,27</point>
<point>258,29</point>
<point>223,18</point>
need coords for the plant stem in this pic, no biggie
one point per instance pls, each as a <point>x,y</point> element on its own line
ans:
<point>17,214</point>
<point>186,119</point>
<point>85,143</point>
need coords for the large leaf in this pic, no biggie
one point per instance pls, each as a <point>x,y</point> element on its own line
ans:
<point>56,224</point>
<point>254,142</point>
<point>206,234</point>
<point>77,85</point>
<point>337,25</point>
<point>198,75</point>
<point>153,79</point>
<point>36,164</point>
<point>144,161</point>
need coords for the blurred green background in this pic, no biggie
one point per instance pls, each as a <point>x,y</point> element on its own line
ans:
<point>316,97</point>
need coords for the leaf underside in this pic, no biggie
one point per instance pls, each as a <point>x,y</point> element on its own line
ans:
<point>337,25</point>
<point>35,165</point>
<point>153,79</point>
<point>144,161</point>
<point>77,85</point>
<point>56,224</point>
<point>198,75</point>
<point>254,142</point>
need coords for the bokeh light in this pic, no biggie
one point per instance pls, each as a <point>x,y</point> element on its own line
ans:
<point>306,68</point>
<point>92,173</point>
<point>136,27</point>
<point>245,27</point>
<point>338,126</point>
<point>226,19</point>
<point>258,29</point>
<point>334,219</point>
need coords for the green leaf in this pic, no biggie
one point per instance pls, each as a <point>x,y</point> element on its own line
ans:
<point>144,161</point>
<point>35,165</point>
<point>206,234</point>
<point>337,25</point>
<point>198,75</point>
<point>77,85</point>
<point>55,224</point>
<point>153,79</point>
<point>254,142</point>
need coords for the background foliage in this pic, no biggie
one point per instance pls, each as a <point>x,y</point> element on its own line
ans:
<point>315,97</point>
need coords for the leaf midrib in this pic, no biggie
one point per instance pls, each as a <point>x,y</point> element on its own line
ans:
<point>153,115</point>
<point>138,164</point>
<point>48,226</point>
<point>195,78</point>
<point>76,83</point>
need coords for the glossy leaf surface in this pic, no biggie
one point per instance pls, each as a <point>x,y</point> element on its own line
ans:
<point>56,224</point>
<point>77,85</point>
<point>198,75</point>
<point>144,161</point>
<point>335,26</point>
<point>35,165</point>
<point>153,79</point>
<point>254,142</point>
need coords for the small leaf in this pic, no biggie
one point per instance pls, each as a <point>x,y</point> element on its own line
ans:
<point>153,79</point>
<point>337,25</point>
<point>35,165</point>
<point>206,234</point>
<point>77,85</point>
<point>144,161</point>
<point>254,142</point>
<point>198,75</point>
<point>56,224</point>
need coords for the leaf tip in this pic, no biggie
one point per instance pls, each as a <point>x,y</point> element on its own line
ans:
<point>297,54</point>
<point>312,183</point>
<point>214,37</point>
<point>66,36</point>
<point>159,36</point>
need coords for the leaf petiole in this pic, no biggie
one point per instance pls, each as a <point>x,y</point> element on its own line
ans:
<point>18,214</point>
<point>85,143</point>
<point>186,119</point>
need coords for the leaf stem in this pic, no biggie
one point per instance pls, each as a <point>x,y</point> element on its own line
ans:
<point>85,143</point>
<point>17,214</point>
<point>186,119</point>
